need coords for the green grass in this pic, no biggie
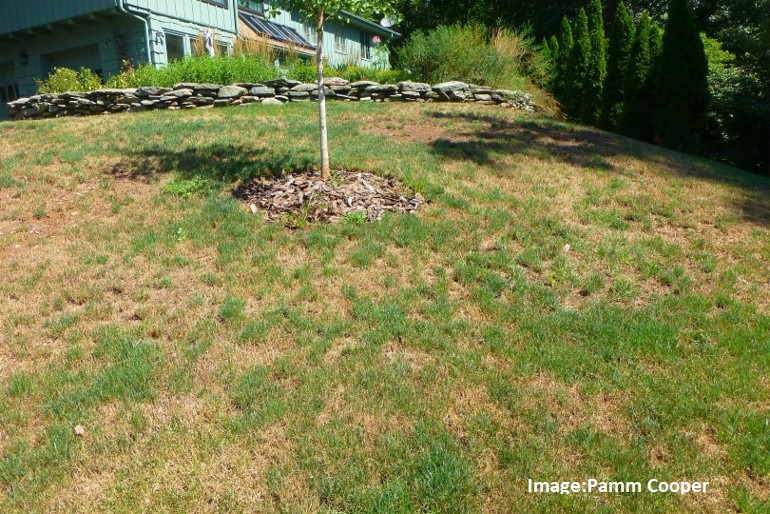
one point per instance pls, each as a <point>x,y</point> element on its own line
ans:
<point>568,305</point>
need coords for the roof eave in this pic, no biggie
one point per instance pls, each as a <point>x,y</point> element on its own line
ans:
<point>373,26</point>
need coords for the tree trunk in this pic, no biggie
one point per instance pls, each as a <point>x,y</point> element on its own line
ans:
<point>322,99</point>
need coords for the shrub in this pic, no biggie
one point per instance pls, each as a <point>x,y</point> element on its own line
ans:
<point>302,70</point>
<point>737,116</point>
<point>202,69</point>
<point>355,73</point>
<point>471,55</point>
<point>62,80</point>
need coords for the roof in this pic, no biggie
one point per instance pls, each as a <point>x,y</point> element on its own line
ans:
<point>273,30</point>
<point>371,25</point>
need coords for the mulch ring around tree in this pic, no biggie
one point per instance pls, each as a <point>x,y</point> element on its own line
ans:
<point>304,197</point>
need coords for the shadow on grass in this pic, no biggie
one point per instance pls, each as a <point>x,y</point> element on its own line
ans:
<point>497,136</point>
<point>219,162</point>
<point>591,149</point>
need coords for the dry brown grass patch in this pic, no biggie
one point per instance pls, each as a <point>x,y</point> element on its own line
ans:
<point>572,408</point>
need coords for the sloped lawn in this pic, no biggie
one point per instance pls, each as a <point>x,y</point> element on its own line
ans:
<point>567,305</point>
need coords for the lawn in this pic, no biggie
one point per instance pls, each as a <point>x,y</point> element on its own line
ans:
<point>568,305</point>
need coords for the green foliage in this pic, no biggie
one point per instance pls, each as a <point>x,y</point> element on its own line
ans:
<point>550,52</point>
<point>233,309</point>
<point>186,187</point>
<point>202,69</point>
<point>355,218</point>
<point>577,66</point>
<point>590,105</point>
<point>306,72</point>
<point>638,101</point>
<point>562,60</point>
<point>62,80</point>
<point>315,10</point>
<point>681,83</point>
<point>553,48</point>
<point>303,70</point>
<point>619,54</point>
<point>470,54</point>
<point>737,117</point>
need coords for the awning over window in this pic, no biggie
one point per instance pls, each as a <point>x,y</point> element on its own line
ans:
<point>275,31</point>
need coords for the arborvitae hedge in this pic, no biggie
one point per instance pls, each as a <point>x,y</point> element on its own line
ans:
<point>593,78</point>
<point>565,49</point>
<point>619,53</point>
<point>681,83</point>
<point>577,66</point>
<point>638,102</point>
<point>551,52</point>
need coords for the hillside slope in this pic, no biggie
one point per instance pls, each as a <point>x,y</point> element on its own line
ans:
<point>570,304</point>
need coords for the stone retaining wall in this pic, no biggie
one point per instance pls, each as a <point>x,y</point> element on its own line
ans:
<point>279,91</point>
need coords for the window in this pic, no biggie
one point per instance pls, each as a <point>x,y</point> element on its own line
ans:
<point>9,93</point>
<point>222,49</point>
<point>251,6</point>
<point>366,46</point>
<point>340,45</point>
<point>218,3</point>
<point>174,47</point>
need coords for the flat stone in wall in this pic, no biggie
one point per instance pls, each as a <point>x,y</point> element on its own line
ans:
<point>274,92</point>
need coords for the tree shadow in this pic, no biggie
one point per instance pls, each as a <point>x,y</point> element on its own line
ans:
<point>498,137</point>
<point>549,140</point>
<point>221,162</point>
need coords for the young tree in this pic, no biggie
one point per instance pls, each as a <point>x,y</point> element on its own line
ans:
<point>593,79</point>
<point>617,66</point>
<point>319,12</point>
<point>577,66</point>
<point>681,83</point>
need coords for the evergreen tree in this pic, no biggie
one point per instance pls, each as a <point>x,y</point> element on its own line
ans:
<point>681,82</point>
<point>545,50</point>
<point>551,50</point>
<point>638,103</point>
<point>565,48</point>
<point>593,78</point>
<point>577,66</point>
<point>656,42</point>
<point>619,54</point>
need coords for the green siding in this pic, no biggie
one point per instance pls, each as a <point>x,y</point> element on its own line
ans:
<point>190,11</point>
<point>163,24</point>
<point>7,83</point>
<point>352,35</point>
<point>123,38</point>
<point>32,13</point>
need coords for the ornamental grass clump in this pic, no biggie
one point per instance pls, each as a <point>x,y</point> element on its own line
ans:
<point>472,54</point>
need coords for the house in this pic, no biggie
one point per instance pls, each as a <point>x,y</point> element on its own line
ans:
<point>39,35</point>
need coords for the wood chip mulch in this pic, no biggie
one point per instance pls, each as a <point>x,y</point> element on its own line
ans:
<point>307,198</point>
